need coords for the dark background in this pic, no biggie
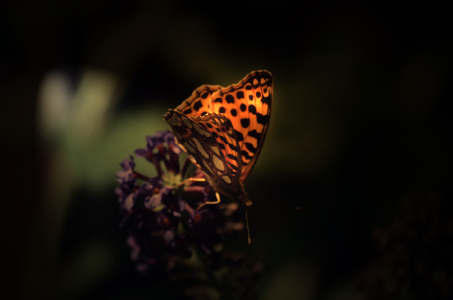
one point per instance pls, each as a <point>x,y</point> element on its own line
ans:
<point>360,138</point>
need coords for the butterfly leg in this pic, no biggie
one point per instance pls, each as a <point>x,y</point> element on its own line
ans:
<point>187,180</point>
<point>211,202</point>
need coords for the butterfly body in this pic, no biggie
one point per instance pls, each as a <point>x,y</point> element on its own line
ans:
<point>223,130</point>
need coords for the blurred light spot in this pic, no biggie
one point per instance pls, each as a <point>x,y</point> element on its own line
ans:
<point>54,99</point>
<point>294,281</point>
<point>92,103</point>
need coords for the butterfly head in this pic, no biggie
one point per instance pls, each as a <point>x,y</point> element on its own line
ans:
<point>242,197</point>
<point>246,201</point>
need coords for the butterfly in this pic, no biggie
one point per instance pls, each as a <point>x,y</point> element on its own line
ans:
<point>222,130</point>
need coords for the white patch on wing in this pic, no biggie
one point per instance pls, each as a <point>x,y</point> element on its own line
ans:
<point>226,179</point>
<point>207,134</point>
<point>188,147</point>
<point>218,163</point>
<point>173,121</point>
<point>197,128</point>
<point>207,167</point>
<point>215,149</point>
<point>187,121</point>
<point>200,148</point>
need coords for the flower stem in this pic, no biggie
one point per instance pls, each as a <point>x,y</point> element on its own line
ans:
<point>185,167</point>
<point>161,150</point>
<point>140,176</point>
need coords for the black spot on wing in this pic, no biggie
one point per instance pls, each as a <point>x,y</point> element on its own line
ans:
<point>250,97</point>
<point>234,148</point>
<point>245,122</point>
<point>215,134</point>
<point>204,95</point>
<point>233,166</point>
<point>243,107</point>
<point>209,125</point>
<point>223,139</point>
<point>248,87</point>
<point>221,146</point>
<point>250,147</point>
<point>252,109</point>
<point>222,110</point>
<point>266,100</point>
<point>204,113</point>
<point>240,95</point>
<point>231,156</point>
<point>234,112</point>
<point>258,95</point>
<point>197,105</point>
<point>239,136</point>
<point>246,155</point>
<point>263,120</point>
<point>255,134</point>
<point>187,111</point>
<point>229,99</point>
<point>218,100</point>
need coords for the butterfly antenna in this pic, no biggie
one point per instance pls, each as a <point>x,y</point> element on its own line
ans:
<point>248,230</point>
<point>289,206</point>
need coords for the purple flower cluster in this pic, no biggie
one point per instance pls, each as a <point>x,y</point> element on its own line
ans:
<point>159,213</point>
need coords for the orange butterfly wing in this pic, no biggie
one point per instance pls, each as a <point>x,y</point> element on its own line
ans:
<point>199,103</point>
<point>223,129</point>
<point>211,144</point>
<point>248,106</point>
